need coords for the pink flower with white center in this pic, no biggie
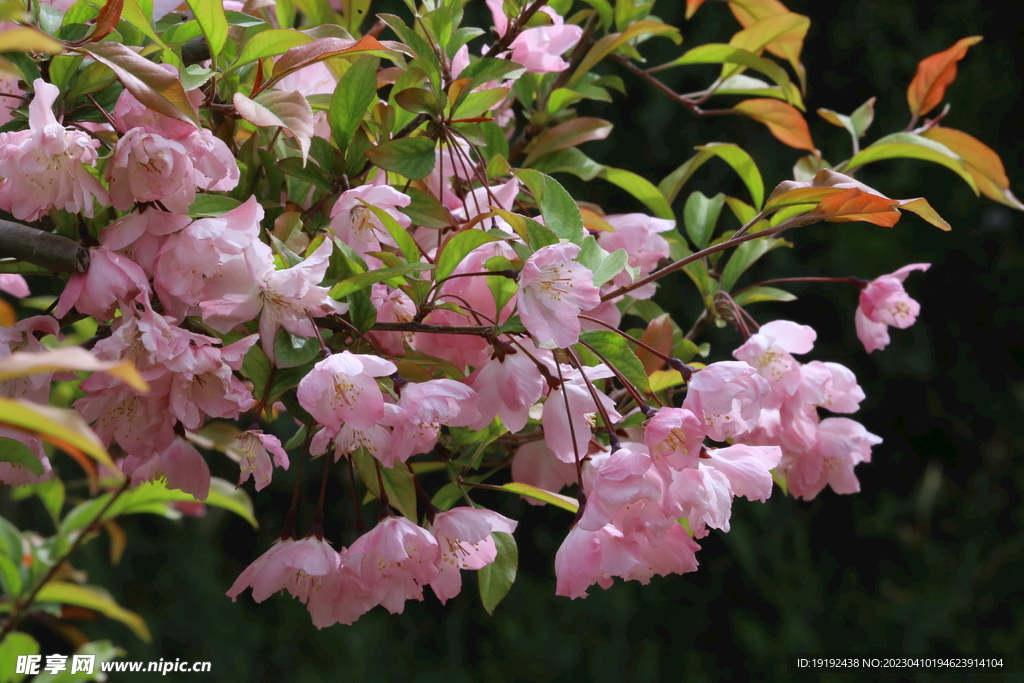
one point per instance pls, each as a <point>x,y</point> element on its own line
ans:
<point>536,465</point>
<point>842,444</point>
<point>508,386</point>
<point>342,388</point>
<point>45,167</point>
<point>374,440</point>
<point>422,409</point>
<point>553,289</point>
<point>22,337</point>
<point>673,552</point>
<point>254,446</point>
<point>637,233</point>
<point>146,167</point>
<point>14,285</point>
<point>110,282</point>
<point>460,350</point>
<point>589,557</point>
<point>141,235</point>
<point>770,352</point>
<point>341,598</point>
<point>675,437</point>
<point>831,386</point>
<point>558,434</point>
<point>539,49</point>
<point>180,464</point>
<point>464,536</point>
<point>702,495</point>
<point>727,396</point>
<point>394,560</point>
<point>298,566</point>
<point>356,226</point>
<point>748,468</point>
<point>884,302</point>
<point>613,481</point>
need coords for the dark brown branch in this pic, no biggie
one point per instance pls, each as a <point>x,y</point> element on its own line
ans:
<point>44,249</point>
<point>669,92</point>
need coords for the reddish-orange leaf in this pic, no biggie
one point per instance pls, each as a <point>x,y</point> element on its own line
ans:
<point>658,336</point>
<point>857,205</point>
<point>982,162</point>
<point>934,75</point>
<point>692,6</point>
<point>783,120</point>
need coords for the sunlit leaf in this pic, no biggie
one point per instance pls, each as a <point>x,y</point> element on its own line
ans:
<point>568,134</point>
<point>354,93</point>
<point>25,39</point>
<point>63,428</point>
<point>210,16</point>
<point>934,74</point>
<point>411,157</point>
<point>784,121</point>
<point>269,44</point>
<point>497,578</point>
<point>735,156</point>
<point>641,188</point>
<point>560,211</point>
<point>982,163</point>
<point>556,499</point>
<point>911,146</point>
<point>616,351</point>
<point>275,108</point>
<point>94,598</point>
<point>22,363</point>
<point>455,250</point>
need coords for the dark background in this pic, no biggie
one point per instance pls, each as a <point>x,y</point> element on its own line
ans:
<point>926,559</point>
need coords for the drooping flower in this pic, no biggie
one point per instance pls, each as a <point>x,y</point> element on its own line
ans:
<point>553,289</point>
<point>885,303</point>
<point>568,433</point>
<point>298,566</point>
<point>254,446</point>
<point>770,352</point>
<point>356,226</point>
<point>727,395</point>
<point>464,536</point>
<point>394,560</point>
<point>539,49</point>
<point>342,389</point>
<point>147,167</point>
<point>675,437</point>
<point>182,466</point>
<point>111,281</point>
<point>422,408</point>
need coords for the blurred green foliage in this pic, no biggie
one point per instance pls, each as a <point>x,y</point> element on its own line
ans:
<point>926,559</point>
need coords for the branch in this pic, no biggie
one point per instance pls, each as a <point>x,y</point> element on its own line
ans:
<point>669,92</point>
<point>46,249</point>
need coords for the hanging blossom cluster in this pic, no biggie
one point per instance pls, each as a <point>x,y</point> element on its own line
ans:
<point>509,346</point>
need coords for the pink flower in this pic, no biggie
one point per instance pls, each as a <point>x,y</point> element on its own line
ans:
<point>422,409</point>
<point>45,167</point>
<point>356,225</point>
<point>508,386</point>
<point>22,337</point>
<point>884,302</point>
<point>141,424</point>
<point>842,444</point>
<point>14,285</point>
<point>589,557</point>
<point>770,352</point>
<point>179,463</point>
<point>464,537</point>
<point>637,233</point>
<point>17,475</point>
<point>146,167</point>
<point>553,289</point>
<point>748,468</point>
<point>536,465</point>
<point>831,386</point>
<point>298,566</point>
<point>675,437</point>
<point>342,388</point>
<point>539,49</point>
<point>393,306</point>
<point>253,445</point>
<point>613,481</point>
<point>111,281</point>
<point>571,442</point>
<point>394,561</point>
<point>727,396</point>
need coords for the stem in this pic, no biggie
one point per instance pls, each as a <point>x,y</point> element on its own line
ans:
<point>669,92</point>
<point>613,438</point>
<point>46,249</point>
<point>515,28</point>
<point>633,391</point>
<point>360,527</point>
<point>385,503</point>
<point>288,528</point>
<point>855,281</point>
<point>19,607</point>
<point>317,528</point>
<point>572,430</point>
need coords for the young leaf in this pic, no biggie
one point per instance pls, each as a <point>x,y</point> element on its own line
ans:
<point>288,110</point>
<point>355,92</point>
<point>855,204</point>
<point>615,350</point>
<point>560,211</point>
<point>17,453</point>
<point>783,120</point>
<point>744,257</point>
<point>771,26</point>
<point>321,49</point>
<point>210,15</point>
<point>61,427</point>
<point>94,598</point>
<point>497,578</point>
<point>556,499</point>
<point>934,74</point>
<point>701,215</point>
<point>735,156</point>
<point>911,146</point>
<point>398,482</point>
<point>982,163</point>
<point>613,41</point>
<point>568,134</point>
<point>357,282</point>
<point>753,295</point>
<point>457,247</point>
<point>411,157</point>
<point>268,44</point>
<point>25,39</point>
<point>641,188</point>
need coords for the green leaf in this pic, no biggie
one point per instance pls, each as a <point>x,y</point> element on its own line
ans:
<point>497,578</point>
<point>150,497</point>
<point>567,134</point>
<point>61,427</point>
<point>744,257</point>
<point>862,117</point>
<point>292,351</point>
<point>363,280</point>
<point>276,108</point>
<point>754,295</point>
<point>361,312</point>
<point>611,42</point>
<point>603,265</point>
<point>94,598</point>
<point>641,188</point>
<point>410,157</point>
<point>355,92</point>
<point>561,213</point>
<point>735,156</point>
<point>10,540</point>
<point>10,579</point>
<point>17,453</point>
<point>210,15</point>
<point>425,210</point>
<point>556,499</point>
<point>457,248</point>
<point>15,644</point>
<point>26,39</point>
<point>615,350</point>
<point>701,216</point>
<point>476,103</point>
<point>151,85</point>
<point>720,53</point>
<point>484,70</point>
<point>399,484</point>
<point>268,44</point>
<point>212,205</point>
<point>910,146</point>
<point>569,161</point>
<point>405,242</point>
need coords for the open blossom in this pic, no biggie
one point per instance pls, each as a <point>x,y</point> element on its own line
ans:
<point>301,567</point>
<point>394,560</point>
<point>568,433</point>
<point>612,481</point>
<point>342,389</point>
<point>675,437</point>
<point>770,351</point>
<point>110,281</point>
<point>842,444</point>
<point>422,409</point>
<point>507,386</point>
<point>356,225</point>
<point>254,446</point>
<point>464,536</point>
<point>539,49</point>
<point>14,285</point>
<point>147,167</point>
<point>638,234</point>
<point>727,396</point>
<point>180,464</point>
<point>45,166</point>
<point>884,303</point>
<point>553,289</point>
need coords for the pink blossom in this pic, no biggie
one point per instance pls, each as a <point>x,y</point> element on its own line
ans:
<point>481,199</point>
<point>254,446</point>
<point>422,408</point>
<point>553,289</point>
<point>612,481</point>
<point>301,567</point>
<point>146,167</point>
<point>464,536</point>
<point>539,49</point>
<point>589,557</point>
<point>842,444</point>
<point>22,337</point>
<point>831,386</point>
<point>637,234</point>
<point>14,285</point>
<point>17,475</point>
<point>884,302</point>
<point>342,388</point>
<point>507,386</point>
<point>675,437</point>
<point>770,349</point>
<point>180,464</point>
<point>45,167</point>
<point>394,561</point>
<point>143,232</point>
<point>727,396</point>
<point>571,442</point>
<point>748,468</point>
<point>110,281</point>
<point>9,86</point>
<point>536,465</point>
<point>356,225</point>
<point>393,306</point>
<point>141,424</point>
<point>375,440</point>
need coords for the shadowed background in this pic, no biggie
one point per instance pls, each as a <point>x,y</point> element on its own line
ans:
<point>926,559</point>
